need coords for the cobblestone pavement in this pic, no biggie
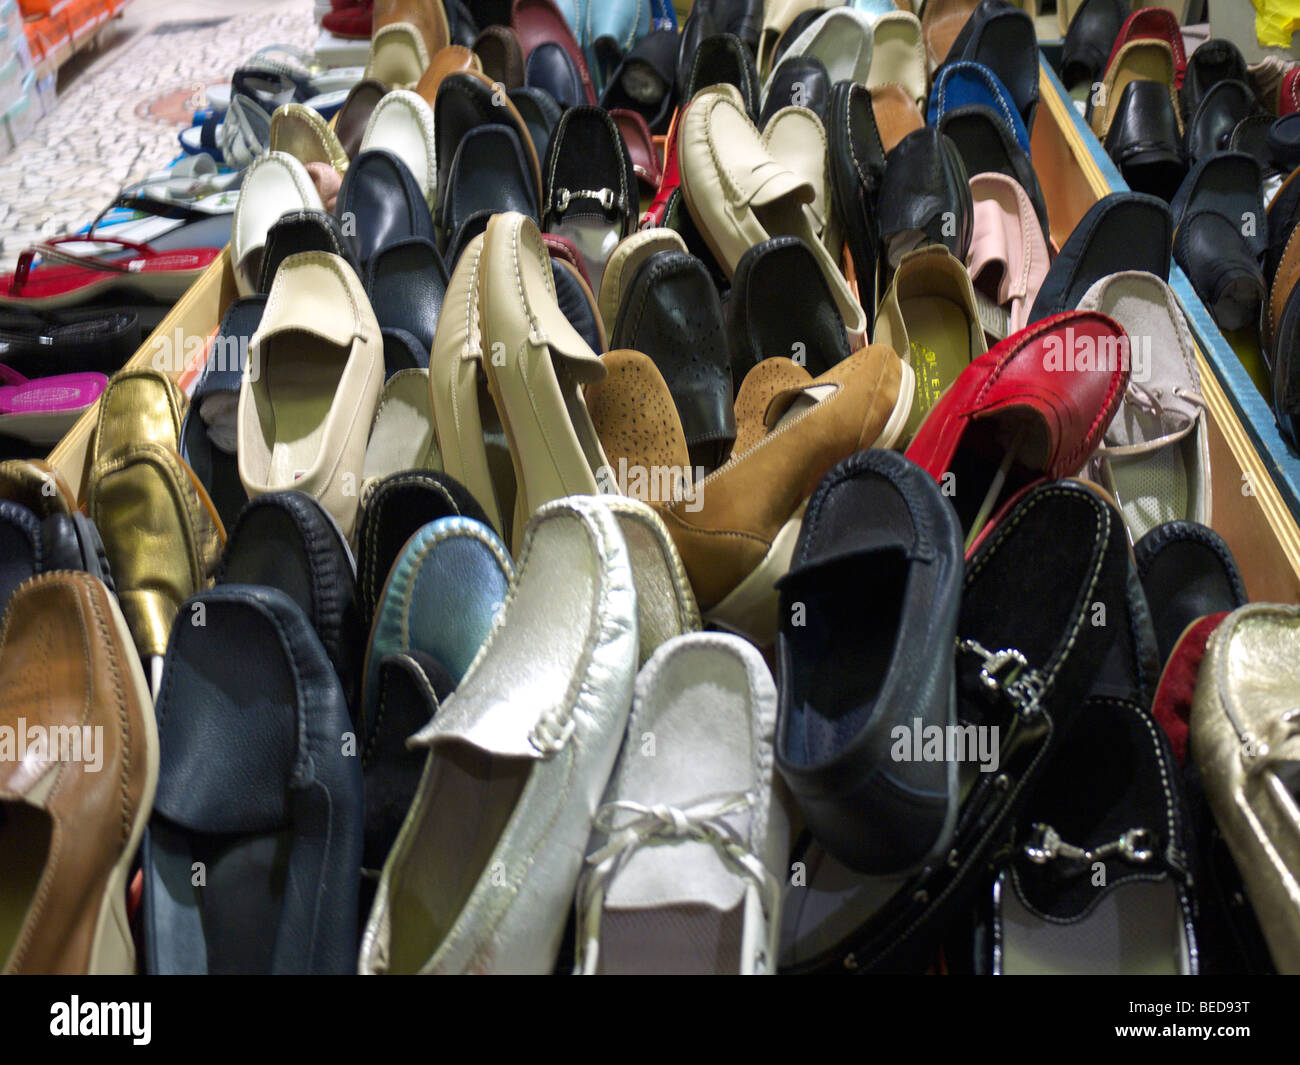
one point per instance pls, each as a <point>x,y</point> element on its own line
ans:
<point>120,120</point>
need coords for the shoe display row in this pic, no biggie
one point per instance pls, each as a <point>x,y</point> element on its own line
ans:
<point>663,499</point>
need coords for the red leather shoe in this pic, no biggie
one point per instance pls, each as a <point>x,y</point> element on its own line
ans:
<point>1157,22</point>
<point>1033,409</point>
<point>1288,95</point>
<point>671,178</point>
<point>355,21</point>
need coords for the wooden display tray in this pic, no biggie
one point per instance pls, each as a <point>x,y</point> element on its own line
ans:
<point>1254,503</point>
<point>1251,510</point>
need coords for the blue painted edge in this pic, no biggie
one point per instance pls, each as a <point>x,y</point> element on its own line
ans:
<point>1253,411</point>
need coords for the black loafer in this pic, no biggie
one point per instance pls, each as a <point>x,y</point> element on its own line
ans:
<point>1027,655</point>
<point>857,166</point>
<point>102,342</point>
<point>1211,250</point>
<point>489,175</point>
<point>1144,142</point>
<point>800,81</point>
<point>1098,879</point>
<point>256,785</point>
<point>406,283</point>
<point>925,188</point>
<point>462,26</point>
<point>208,433</point>
<point>1089,40</point>
<point>591,190</point>
<point>384,202</point>
<point>541,114</point>
<point>33,542</point>
<point>723,59</point>
<point>306,230</point>
<point>646,80</point>
<point>987,145</point>
<point>1283,141</point>
<point>551,69</point>
<point>1121,231</point>
<point>465,101</point>
<point>671,312</point>
<point>864,656</point>
<point>1213,61</point>
<point>744,18</point>
<point>1187,572</point>
<point>1002,38</point>
<point>392,511</point>
<point>780,305</point>
<point>1229,184</point>
<point>1252,137</point>
<point>1224,107</point>
<point>288,541</point>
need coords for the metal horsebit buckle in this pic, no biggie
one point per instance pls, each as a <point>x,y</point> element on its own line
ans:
<point>1136,845</point>
<point>564,197</point>
<point>1008,671</point>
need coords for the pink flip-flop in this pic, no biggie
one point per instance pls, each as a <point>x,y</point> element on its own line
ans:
<point>160,275</point>
<point>42,411</point>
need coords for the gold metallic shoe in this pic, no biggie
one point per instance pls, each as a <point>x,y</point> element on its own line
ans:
<point>1245,737</point>
<point>161,534</point>
<point>300,131</point>
<point>137,407</point>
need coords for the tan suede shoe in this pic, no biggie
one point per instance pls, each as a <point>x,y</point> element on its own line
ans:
<point>78,769</point>
<point>735,529</point>
<point>761,385</point>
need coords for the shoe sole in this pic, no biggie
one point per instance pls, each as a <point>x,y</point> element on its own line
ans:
<point>113,948</point>
<point>749,609</point>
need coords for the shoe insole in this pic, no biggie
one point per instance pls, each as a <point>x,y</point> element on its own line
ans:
<point>1237,305</point>
<point>831,699</point>
<point>302,375</point>
<point>24,841</point>
<point>1152,489</point>
<point>979,455</point>
<point>469,797</point>
<point>595,240</point>
<point>216,900</point>
<point>939,342</point>
<point>1135,929</point>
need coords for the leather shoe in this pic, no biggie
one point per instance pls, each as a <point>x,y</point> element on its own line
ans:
<point>1143,140</point>
<point>1089,39</point>
<point>925,196</point>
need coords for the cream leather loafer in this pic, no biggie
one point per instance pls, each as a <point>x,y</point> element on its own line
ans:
<point>655,898</point>
<point>402,123</point>
<point>796,138</point>
<point>274,184</point>
<point>739,195</point>
<point>311,386</point>
<point>402,436</point>
<point>470,438</point>
<point>482,875</point>
<point>899,55</point>
<point>536,367</point>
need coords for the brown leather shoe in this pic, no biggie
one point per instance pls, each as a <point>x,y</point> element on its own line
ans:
<point>896,114</point>
<point>451,59</point>
<point>78,768</point>
<point>736,528</point>
<point>502,57</point>
<point>396,59</point>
